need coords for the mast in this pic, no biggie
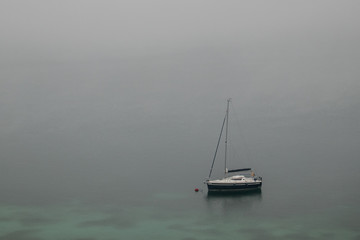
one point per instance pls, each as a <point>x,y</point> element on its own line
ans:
<point>226,131</point>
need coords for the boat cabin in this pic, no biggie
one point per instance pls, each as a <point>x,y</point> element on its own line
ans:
<point>237,177</point>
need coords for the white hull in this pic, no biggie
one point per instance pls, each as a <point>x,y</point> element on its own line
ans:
<point>235,183</point>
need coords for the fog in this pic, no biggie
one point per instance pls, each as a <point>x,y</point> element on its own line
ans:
<point>96,93</point>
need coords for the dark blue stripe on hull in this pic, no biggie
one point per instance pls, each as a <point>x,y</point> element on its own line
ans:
<point>233,187</point>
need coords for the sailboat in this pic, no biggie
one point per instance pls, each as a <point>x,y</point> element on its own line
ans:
<point>246,181</point>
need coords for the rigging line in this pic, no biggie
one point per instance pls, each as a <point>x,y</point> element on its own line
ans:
<point>217,147</point>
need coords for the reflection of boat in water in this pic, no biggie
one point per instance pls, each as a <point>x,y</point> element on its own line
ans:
<point>232,203</point>
<point>246,181</point>
<point>236,194</point>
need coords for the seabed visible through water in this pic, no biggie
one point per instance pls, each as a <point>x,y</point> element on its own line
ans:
<point>176,216</point>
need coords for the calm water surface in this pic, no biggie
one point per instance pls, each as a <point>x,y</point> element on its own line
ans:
<point>142,185</point>
<point>163,205</point>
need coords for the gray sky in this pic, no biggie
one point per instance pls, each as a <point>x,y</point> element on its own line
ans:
<point>146,82</point>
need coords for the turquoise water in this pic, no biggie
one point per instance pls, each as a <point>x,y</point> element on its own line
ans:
<point>183,215</point>
<point>117,200</point>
